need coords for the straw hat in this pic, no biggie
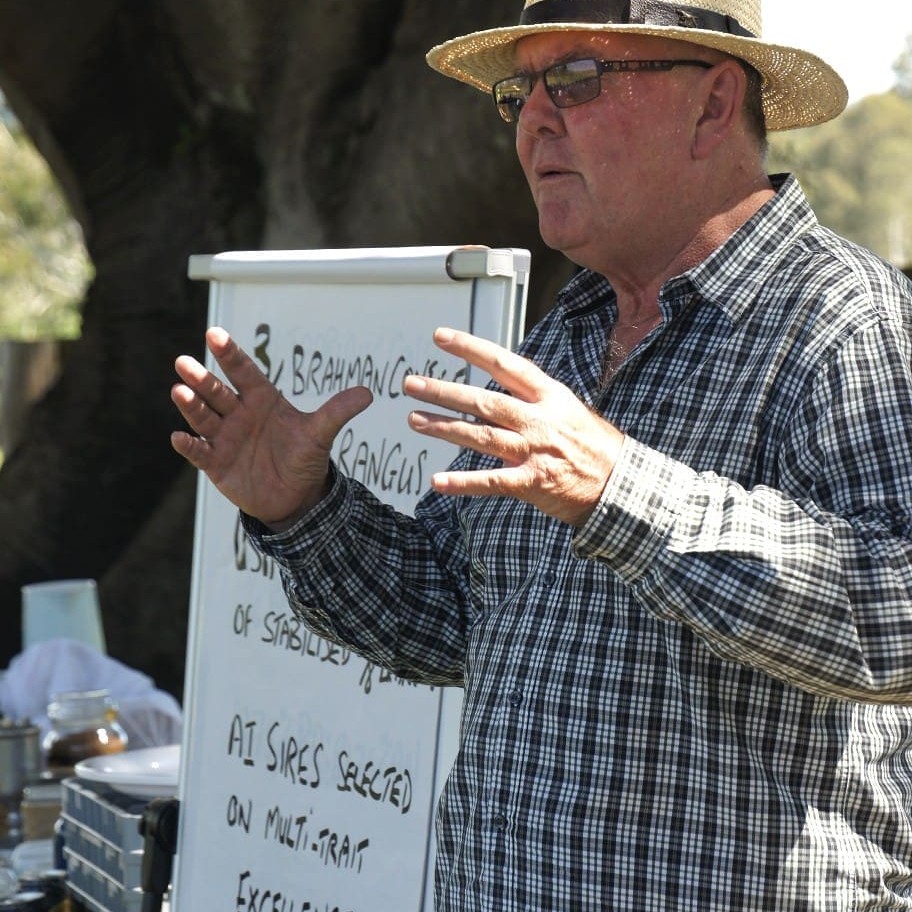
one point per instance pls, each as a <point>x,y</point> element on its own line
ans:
<point>799,89</point>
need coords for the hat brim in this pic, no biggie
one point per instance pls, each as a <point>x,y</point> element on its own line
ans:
<point>799,89</point>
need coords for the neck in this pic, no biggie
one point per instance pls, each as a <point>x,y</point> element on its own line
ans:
<point>623,337</point>
<point>638,276</point>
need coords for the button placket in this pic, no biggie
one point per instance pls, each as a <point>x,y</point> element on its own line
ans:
<point>500,822</point>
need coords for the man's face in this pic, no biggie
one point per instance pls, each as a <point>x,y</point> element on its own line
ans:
<point>604,174</point>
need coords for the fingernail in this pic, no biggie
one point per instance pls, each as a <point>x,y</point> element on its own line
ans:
<point>443,335</point>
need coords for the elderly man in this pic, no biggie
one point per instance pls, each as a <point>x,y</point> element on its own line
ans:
<point>672,564</point>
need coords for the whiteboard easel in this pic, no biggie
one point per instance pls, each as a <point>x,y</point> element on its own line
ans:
<point>306,773</point>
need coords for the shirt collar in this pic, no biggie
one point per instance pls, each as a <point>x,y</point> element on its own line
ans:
<point>732,274</point>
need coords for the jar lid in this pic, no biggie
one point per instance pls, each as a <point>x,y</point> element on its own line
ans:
<point>79,704</point>
<point>17,728</point>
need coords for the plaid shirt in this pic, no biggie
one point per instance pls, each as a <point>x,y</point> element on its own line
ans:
<point>701,699</point>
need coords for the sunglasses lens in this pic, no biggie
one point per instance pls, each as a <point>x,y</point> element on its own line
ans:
<point>573,83</point>
<point>510,95</point>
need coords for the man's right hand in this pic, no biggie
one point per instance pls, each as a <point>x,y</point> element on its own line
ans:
<point>267,457</point>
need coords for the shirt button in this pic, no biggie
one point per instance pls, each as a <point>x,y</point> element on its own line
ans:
<point>515,697</point>
<point>500,822</point>
<point>549,578</point>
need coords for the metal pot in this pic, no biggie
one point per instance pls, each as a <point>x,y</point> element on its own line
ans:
<point>20,756</point>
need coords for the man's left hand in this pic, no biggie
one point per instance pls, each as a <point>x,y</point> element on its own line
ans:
<point>556,453</point>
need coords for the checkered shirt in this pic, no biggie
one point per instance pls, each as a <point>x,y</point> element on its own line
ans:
<point>701,699</point>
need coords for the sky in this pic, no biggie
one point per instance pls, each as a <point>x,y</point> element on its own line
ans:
<point>860,41</point>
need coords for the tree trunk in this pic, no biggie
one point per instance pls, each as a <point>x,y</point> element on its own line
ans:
<point>177,128</point>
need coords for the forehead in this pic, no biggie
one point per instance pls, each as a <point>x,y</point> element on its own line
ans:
<point>537,51</point>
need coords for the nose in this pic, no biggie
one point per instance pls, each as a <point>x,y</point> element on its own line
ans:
<point>539,113</point>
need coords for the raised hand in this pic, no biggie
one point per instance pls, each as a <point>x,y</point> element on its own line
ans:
<point>270,459</point>
<point>556,452</point>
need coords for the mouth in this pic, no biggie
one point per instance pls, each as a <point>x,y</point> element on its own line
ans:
<point>546,171</point>
<point>552,175</point>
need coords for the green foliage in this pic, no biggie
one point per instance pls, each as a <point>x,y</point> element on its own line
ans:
<point>44,268</point>
<point>855,171</point>
<point>903,70</point>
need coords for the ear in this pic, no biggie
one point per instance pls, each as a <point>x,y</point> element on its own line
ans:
<point>722,100</point>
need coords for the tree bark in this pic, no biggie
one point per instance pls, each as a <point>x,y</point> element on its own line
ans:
<point>177,128</point>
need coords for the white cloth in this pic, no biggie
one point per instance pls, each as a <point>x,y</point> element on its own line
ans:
<point>150,717</point>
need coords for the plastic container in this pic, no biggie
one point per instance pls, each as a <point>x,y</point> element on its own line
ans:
<point>83,724</point>
<point>103,848</point>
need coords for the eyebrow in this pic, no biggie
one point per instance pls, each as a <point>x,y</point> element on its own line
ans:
<point>569,57</point>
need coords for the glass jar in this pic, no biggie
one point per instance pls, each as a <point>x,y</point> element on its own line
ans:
<point>83,724</point>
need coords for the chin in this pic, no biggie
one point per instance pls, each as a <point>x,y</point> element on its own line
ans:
<point>569,246</point>
<point>557,237</point>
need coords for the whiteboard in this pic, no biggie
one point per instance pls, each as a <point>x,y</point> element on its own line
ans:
<point>309,777</point>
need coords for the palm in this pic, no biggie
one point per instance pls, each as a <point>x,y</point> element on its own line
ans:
<point>270,459</point>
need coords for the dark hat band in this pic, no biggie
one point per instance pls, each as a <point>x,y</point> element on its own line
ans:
<point>632,12</point>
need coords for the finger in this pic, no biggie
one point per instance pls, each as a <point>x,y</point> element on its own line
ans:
<point>242,371</point>
<point>195,450</point>
<point>496,482</point>
<point>487,406</point>
<point>513,372</point>
<point>195,411</point>
<point>204,385</point>
<point>507,445</point>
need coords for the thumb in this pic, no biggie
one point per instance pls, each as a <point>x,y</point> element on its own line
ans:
<point>337,411</point>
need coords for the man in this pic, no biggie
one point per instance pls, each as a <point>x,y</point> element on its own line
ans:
<point>672,565</point>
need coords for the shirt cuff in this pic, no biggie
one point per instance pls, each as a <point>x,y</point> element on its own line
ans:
<point>301,543</point>
<point>634,518</point>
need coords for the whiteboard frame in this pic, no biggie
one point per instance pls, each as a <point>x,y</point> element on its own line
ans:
<point>499,277</point>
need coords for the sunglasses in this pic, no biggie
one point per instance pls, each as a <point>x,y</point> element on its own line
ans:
<point>574,82</point>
